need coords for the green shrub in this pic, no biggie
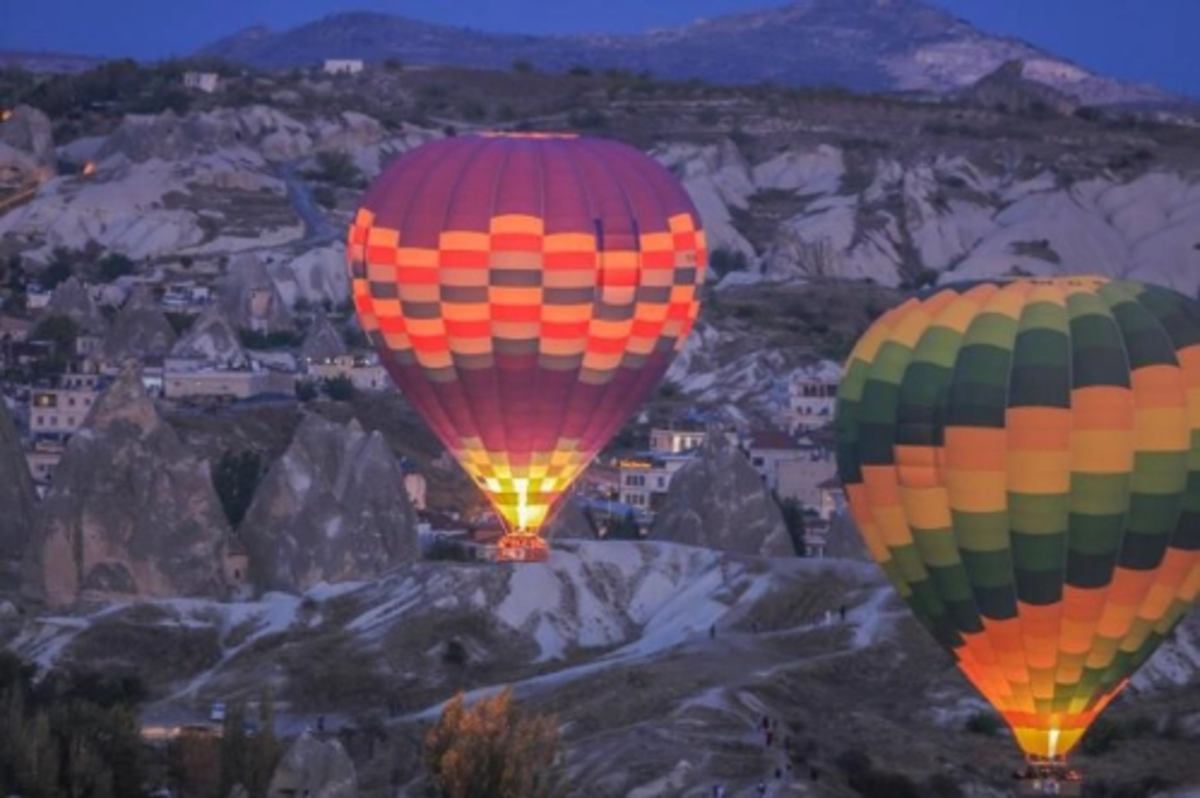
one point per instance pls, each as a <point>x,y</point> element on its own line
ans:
<point>985,723</point>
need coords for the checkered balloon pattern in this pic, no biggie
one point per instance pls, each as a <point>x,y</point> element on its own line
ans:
<point>1022,458</point>
<point>526,292</point>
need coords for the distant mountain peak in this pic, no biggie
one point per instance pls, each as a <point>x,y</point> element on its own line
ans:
<point>862,45</point>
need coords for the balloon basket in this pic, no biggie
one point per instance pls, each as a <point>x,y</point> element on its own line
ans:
<point>522,548</point>
<point>1048,777</point>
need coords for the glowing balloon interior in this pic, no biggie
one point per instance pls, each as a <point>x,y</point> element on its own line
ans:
<point>1023,460</point>
<point>526,292</point>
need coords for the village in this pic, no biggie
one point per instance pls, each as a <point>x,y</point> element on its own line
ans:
<point>211,340</point>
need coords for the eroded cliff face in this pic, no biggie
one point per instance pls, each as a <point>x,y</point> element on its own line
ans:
<point>718,501</point>
<point>140,331</point>
<point>333,508</point>
<point>26,148</point>
<point>132,513</point>
<point>17,503</point>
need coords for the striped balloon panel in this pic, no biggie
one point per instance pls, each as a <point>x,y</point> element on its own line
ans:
<point>1023,460</point>
<point>526,294</point>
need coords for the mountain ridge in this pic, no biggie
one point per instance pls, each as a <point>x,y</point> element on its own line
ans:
<point>861,45</point>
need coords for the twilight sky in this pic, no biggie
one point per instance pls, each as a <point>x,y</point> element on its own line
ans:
<point>1140,40</point>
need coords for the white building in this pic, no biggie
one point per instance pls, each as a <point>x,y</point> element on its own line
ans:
<point>183,380</point>
<point>185,294</point>
<point>364,371</point>
<point>206,82</point>
<point>802,480</point>
<point>37,297</point>
<point>343,66</point>
<point>812,397</point>
<point>644,481</point>
<point>674,441</point>
<point>42,458</point>
<point>61,411</point>
<point>768,450</point>
<point>415,486</point>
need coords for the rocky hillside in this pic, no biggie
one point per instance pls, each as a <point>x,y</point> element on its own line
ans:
<point>140,331</point>
<point>718,501</point>
<point>863,45</point>
<point>131,514</point>
<point>624,619</point>
<point>332,508</point>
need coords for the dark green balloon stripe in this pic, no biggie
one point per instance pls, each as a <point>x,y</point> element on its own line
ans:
<point>1040,377</point>
<point>987,565</point>
<point>978,397</point>
<point>922,411</point>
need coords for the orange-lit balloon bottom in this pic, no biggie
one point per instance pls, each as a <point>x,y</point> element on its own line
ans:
<point>1044,722</point>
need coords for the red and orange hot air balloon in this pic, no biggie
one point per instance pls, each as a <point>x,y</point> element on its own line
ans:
<point>526,292</point>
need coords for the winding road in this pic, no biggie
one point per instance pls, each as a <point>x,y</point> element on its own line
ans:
<point>317,229</point>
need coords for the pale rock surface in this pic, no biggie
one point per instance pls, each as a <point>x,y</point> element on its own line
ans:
<point>716,177</point>
<point>141,331</point>
<point>211,338</point>
<point>332,508</point>
<point>72,299</point>
<point>314,768</point>
<point>316,275</point>
<point>718,501</point>
<point>323,341</point>
<point>27,152</point>
<point>249,298</point>
<point>132,514</point>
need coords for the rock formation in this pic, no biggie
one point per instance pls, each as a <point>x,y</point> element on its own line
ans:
<point>323,340</point>
<point>72,299</point>
<point>719,501</point>
<point>141,331</point>
<point>569,522</point>
<point>131,514</point>
<point>1009,89</point>
<point>211,338</point>
<point>26,148</point>
<point>249,299</point>
<point>316,275</point>
<point>314,768</point>
<point>332,509</point>
<point>17,502</point>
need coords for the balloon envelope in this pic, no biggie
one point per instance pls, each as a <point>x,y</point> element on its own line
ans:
<point>1023,460</point>
<point>526,292</point>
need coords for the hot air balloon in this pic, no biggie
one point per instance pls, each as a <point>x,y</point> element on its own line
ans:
<point>1022,458</point>
<point>526,292</point>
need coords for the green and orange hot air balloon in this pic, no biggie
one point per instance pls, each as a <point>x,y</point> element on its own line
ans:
<point>1023,460</point>
<point>526,292</point>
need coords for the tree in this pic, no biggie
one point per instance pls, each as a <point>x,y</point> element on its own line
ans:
<point>492,749</point>
<point>340,388</point>
<point>114,266</point>
<point>306,390</point>
<point>264,750</point>
<point>233,747</point>
<point>792,510</point>
<point>196,763</point>
<point>57,272</point>
<point>61,331</point>
<point>70,734</point>
<point>235,477</point>
<point>337,167</point>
